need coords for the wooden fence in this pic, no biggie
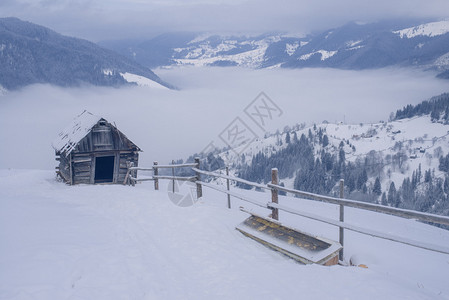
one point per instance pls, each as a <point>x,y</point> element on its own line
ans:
<point>275,206</point>
<point>155,170</point>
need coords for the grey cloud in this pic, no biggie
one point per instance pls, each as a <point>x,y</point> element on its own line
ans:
<point>97,20</point>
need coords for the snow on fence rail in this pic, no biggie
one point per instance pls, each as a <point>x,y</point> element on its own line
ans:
<point>274,206</point>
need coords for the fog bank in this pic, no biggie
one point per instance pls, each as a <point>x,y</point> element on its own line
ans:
<point>174,124</point>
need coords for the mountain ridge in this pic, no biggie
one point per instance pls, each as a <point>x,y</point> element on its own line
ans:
<point>352,46</point>
<point>31,53</point>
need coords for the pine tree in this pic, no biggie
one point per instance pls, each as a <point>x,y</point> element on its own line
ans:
<point>287,138</point>
<point>310,135</point>
<point>377,189</point>
<point>391,198</point>
<point>427,176</point>
<point>325,140</point>
<point>341,156</point>
<point>362,179</point>
<point>434,116</point>
<point>350,183</point>
<point>397,199</point>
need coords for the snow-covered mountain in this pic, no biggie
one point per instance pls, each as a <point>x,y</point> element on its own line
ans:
<point>201,49</point>
<point>403,162</point>
<point>30,53</point>
<point>352,46</point>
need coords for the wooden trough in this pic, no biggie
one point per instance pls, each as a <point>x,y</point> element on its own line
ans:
<point>300,246</point>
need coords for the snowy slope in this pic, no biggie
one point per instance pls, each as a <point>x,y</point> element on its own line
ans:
<point>142,81</point>
<point>429,29</point>
<point>120,242</point>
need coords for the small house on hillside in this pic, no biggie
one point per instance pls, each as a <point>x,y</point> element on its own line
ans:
<point>92,150</point>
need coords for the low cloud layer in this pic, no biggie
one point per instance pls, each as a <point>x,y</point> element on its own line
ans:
<point>174,124</point>
<point>99,20</point>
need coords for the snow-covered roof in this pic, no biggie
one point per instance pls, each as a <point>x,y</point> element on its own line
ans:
<point>69,137</point>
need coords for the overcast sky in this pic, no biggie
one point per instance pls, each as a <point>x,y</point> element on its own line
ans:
<point>113,19</point>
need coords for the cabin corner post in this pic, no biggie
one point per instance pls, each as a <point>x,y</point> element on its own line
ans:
<point>199,188</point>
<point>227,187</point>
<point>274,193</point>
<point>155,174</point>
<point>71,168</point>
<point>342,219</point>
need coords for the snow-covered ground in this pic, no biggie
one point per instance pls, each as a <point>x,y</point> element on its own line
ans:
<point>122,242</point>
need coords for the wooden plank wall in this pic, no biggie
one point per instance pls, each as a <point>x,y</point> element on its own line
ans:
<point>104,138</point>
<point>82,167</point>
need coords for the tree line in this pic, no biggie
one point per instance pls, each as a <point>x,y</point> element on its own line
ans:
<point>437,107</point>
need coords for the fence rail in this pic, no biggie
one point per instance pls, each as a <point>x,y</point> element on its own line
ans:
<point>140,169</point>
<point>404,213</point>
<point>180,178</point>
<point>155,169</point>
<point>233,194</point>
<point>175,166</point>
<point>219,175</point>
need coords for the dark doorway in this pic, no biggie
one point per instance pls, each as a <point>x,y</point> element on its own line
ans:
<point>104,169</point>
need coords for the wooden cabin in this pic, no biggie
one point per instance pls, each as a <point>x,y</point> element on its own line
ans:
<point>92,150</point>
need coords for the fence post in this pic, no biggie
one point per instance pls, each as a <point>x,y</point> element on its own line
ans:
<point>173,174</point>
<point>199,189</point>
<point>155,173</point>
<point>342,219</point>
<point>274,193</point>
<point>227,186</point>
